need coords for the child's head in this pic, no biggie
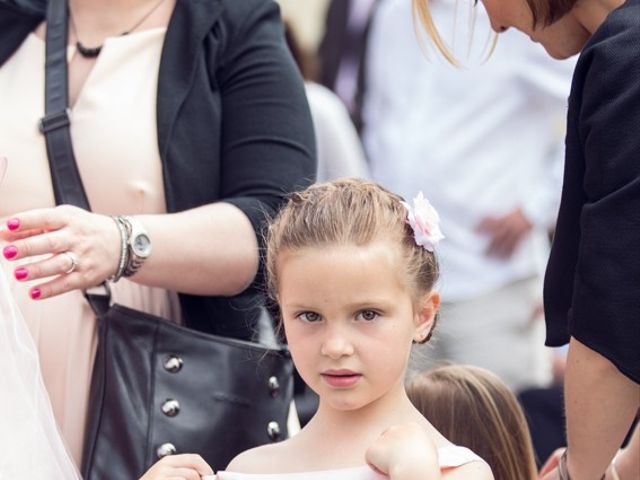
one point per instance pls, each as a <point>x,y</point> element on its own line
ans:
<point>353,287</point>
<point>473,408</point>
<point>349,211</point>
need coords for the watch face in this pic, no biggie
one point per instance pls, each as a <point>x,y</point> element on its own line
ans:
<point>141,245</point>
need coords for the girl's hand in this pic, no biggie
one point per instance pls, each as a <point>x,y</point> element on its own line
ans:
<point>405,452</point>
<point>178,467</point>
<point>78,249</point>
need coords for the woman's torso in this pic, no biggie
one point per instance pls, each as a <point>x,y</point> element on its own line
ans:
<point>114,136</point>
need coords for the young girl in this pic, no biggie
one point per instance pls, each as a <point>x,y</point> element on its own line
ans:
<point>352,269</point>
<point>472,407</point>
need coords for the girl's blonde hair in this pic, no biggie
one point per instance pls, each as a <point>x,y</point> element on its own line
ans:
<point>348,211</point>
<point>473,408</point>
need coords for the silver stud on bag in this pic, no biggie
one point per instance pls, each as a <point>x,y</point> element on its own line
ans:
<point>273,430</point>
<point>166,449</point>
<point>173,364</point>
<point>171,408</point>
<point>274,386</point>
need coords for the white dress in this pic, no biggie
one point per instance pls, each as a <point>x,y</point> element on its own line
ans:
<point>448,457</point>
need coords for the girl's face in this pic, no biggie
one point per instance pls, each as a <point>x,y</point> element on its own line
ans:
<point>350,320</point>
<point>562,39</point>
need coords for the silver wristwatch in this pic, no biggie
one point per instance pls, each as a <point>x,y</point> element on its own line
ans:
<point>138,244</point>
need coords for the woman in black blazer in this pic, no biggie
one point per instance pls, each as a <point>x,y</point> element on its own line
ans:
<point>592,284</point>
<point>227,135</point>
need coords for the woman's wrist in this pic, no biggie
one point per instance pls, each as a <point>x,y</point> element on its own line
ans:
<point>124,251</point>
<point>566,472</point>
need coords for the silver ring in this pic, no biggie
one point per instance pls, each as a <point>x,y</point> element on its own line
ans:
<point>74,262</point>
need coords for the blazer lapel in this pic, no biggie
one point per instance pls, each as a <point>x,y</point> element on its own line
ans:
<point>189,24</point>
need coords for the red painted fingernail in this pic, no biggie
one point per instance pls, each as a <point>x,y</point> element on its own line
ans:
<point>9,252</point>
<point>13,224</point>
<point>35,293</point>
<point>21,273</point>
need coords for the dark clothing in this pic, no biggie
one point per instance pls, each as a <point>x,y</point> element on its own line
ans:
<point>339,44</point>
<point>232,117</point>
<point>592,286</point>
<point>544,410</point>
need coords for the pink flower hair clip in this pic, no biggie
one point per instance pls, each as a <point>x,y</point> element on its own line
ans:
<point>425,222</point>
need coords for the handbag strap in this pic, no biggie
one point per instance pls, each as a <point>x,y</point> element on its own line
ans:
<point>67,184</point>
<point>65,177</point>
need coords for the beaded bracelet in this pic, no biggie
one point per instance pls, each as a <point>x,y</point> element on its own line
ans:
<point>124,251</point>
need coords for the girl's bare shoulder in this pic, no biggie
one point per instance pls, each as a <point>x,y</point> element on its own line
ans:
<point>264,459</point>
<point>473,470</point>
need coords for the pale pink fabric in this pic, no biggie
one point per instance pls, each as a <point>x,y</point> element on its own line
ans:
<point>115,140</point>
<point>448,457</point>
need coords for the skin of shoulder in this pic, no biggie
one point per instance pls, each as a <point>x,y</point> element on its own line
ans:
<point>262,459</point>
<point>475,470</point>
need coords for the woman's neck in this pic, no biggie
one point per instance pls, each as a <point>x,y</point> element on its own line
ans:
<point>592,13</point>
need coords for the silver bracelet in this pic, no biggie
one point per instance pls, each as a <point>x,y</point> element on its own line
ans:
<point>124,250</point>
<point>563,471</point>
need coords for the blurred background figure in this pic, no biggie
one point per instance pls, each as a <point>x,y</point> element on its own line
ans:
<point>485,143</point>
<point>339,150</point>
<point>473,408</point>
<point>544,410</point>
<point>343,50</point>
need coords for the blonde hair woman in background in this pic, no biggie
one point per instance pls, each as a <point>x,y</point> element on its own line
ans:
<point>592,284</point>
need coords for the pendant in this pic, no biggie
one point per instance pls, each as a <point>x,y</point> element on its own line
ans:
<point>88,52</point>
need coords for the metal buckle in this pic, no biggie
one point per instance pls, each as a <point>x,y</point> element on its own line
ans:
<point>55,121</point>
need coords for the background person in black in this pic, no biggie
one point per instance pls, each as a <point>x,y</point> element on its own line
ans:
<point>592,284</point>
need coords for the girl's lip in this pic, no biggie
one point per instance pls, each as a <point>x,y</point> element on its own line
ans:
<point>341,378</point>
<point>339,372</point>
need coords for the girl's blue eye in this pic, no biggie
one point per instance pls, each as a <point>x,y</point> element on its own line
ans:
<point>368,315</point>
<point>310,317</point>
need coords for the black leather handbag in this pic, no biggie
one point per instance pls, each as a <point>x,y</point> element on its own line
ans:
<point>159,388</point>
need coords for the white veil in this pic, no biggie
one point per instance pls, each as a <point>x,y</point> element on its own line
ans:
<point>30,444</point>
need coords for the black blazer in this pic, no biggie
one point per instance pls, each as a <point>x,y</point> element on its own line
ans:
<point>592,285</point>
<point>232,117</point>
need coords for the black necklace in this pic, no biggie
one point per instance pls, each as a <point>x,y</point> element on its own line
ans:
<point>93,52</point>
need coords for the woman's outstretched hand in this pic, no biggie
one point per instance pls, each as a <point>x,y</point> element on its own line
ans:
<point>405,452</point>
<point>69,247</point>
<point>178,467</point>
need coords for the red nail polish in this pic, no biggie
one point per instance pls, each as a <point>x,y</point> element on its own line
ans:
<point>9,252</point>
<point>21,273</point>
<point>13,224</point>
<point>35,293</point>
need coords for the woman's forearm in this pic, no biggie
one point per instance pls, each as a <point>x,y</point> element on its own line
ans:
<point>209,250</point>
<point>600,404</point>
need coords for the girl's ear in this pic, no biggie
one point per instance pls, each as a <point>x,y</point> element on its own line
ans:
<point>425,316</point>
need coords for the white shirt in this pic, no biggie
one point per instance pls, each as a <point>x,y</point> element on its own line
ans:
<point>338,146</point>
<point>482,140</point>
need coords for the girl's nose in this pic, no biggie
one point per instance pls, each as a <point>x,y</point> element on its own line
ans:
<point>336,344</point>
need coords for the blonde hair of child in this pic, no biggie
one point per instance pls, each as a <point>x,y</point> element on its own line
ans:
<point>473,408</point>
<point>348,211</point>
